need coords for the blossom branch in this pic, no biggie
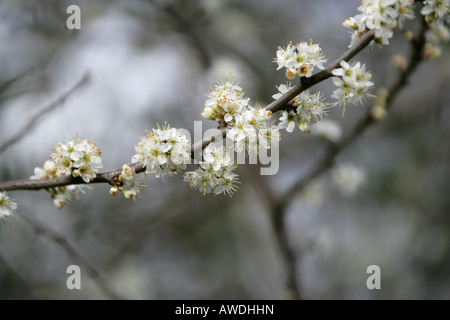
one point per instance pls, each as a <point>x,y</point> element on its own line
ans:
<point>279,206</point>
<point>333,149</point>
<point>306,83</point>
<point>278,104</point>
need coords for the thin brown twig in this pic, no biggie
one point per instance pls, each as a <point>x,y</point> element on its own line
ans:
<point>33,120</point>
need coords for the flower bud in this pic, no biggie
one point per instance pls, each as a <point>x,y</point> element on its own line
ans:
<point>378,111</point>
<point>431,52</point>
<point>400,62</point>
<point>290,73</point>
<point>76,173</point>
<point>350,23</point>
<point>129,194</point>
<point>127,172</point>
<point>408,35</point>
<point>208,113</point>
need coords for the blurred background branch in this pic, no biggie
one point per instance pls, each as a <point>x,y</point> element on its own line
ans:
<point>50,107</point>
<point>72,253</point>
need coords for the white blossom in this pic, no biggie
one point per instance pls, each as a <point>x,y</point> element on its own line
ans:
<point>76,157</point>
<point>163,151</point>
<point>228,105</point>
<point>353,82</point>
<point>435,9</point>
<point>289,120</point>
<point>282,90</point>
<point>382,16</point>
<point>246,127</point>
<point>7,207</point>
<point>128,183</point>
<point>307,108</point>
<point>224,102</point>
<point>215,174</point>
<point>48,171</point>
<point>79,157</point>
<point>61,196</point>
<point>268,137</point>
<point>300,59</point>
<point>405,10</point>
<point>358,25</point>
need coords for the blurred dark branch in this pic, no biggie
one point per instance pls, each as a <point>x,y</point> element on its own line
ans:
<point>10,82</point>
<point>264,194</point>
<point>13,275</point>
<point>187,27</point>
<point>36,69</point>
<point>267,197</point>
<point>277,105</point>
<point>61,241</point>
<point>33,120</point>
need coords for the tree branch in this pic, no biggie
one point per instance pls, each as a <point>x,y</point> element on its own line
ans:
<point>306,83</point>
<point>325,163</point>
<point>333,149</point>
<point>277,105</point>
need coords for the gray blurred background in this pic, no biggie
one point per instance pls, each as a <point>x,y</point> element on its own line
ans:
<point>154,61</point>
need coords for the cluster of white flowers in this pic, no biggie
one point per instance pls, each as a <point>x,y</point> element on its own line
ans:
<point>307,108</point>
<point>251,129</point>
<point>227,103</point>
<point>435,10</point>
<point>78,157</point>
<point>382,16</point>
<point>7,207</point>
<point>163,151</point>
<point>214,174</point>
<point>300,59</point>
<point>60,195</point>
<point>353,82</point>
<point>436,14</point>
<point>128,183</point>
